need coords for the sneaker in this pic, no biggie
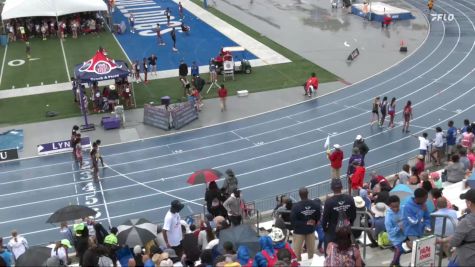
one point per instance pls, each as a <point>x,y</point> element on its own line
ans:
<point>174,49</point>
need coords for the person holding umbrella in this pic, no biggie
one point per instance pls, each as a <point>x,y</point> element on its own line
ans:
<point>172,227</point>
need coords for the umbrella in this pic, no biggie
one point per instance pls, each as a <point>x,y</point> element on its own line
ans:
<point>204,176</point>
<point>136,232</point>
<point>405,193</point>
<point>34,256</point>
<point>71,212</point>
<point>243,234</point>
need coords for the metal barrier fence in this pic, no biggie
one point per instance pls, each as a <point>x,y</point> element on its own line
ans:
<point>443,234</point>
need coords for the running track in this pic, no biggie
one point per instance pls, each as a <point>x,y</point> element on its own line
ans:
<point>270,153</point>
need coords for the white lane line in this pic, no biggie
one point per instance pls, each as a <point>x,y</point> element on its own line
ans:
<point>240,137</point>
<point>75,184</point>
<point>105,204</point>
<point>65,60</point>
<point>3,63</point>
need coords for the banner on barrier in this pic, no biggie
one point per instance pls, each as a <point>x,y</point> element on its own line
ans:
<point>157,116</point>
<point>61,146</point>
<point>423,252</point>
<point>8,154</point>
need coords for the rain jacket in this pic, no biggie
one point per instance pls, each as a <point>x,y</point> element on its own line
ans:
<point>243,256</point>
<point>391,221</point>
<point>415,218</point>
<point>285,245</point>
<point>266,246</point>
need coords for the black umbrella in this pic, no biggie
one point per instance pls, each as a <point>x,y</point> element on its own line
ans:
<point>71,212</point>
<point>136,232</point>
<point>34,256</point>
<point>243,234</point>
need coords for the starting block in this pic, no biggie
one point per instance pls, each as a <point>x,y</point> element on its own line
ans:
<point>242,93</point>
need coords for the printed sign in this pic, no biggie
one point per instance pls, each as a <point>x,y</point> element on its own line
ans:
<point>423,252</point>
<point>182,114</point>
<point>8,154</point>
<point>157,116</point>
<point>353,55</point>
<point>61,146</point>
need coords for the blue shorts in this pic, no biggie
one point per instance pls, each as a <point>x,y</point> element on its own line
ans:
<point>423,152</point>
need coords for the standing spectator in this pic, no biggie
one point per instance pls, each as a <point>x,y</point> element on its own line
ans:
<point>336,161</point>
<point>278,239</point>
<point>60,251</point>
<point>407,116</point>
<point>392,112</point>
<point>304,217</point>
<point>416,217</point>
<point>342,251</point>
<point>198,83</point>
<point>152,60</point>
<point>230,183</point>
<point>466,124</point>
<point>383,106</point>
<point>450,139</point>
<point>355,157</point>
<point>159,35</point>
<point>357,179</point>
<point>362,147</point>
<point>455,170</point>
<point>467,138</point>
<point>394,227</point>
<point>339,207</point>
<point>223,93</point>
<point>438,146</point>
<point>5,254</point>
<point>145,70</point>
<point>66,232</point>
<point>172,227</point>
<point>183,70</point>
<point>464,236</point>
<point>471,157</point>
<point>214,199</point>
<point>233,207</point>
<point>132,22</point>
<point>375,111</point>
<point>420,164</point>
<point>423,144</point>
<point>17,244</point>
<point>173,35</point>
<point>267,256</point>
<point>195,71</point>
<point>81,241</point>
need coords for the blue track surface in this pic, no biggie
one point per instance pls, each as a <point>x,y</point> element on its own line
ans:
<point>270,153</point>
<point>201,44</point>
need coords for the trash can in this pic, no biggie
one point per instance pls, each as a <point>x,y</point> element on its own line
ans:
<point>3,39</point>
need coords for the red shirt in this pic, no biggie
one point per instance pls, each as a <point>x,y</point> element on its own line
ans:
<point>312,81</point>
<point>387,20</point>
<point>336,159</point>
<point>222,92</point>
<point>420,166</point>
<point>358,177</point>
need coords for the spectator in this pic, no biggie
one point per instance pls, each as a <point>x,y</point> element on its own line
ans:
<point>183,70</point>
<point>138,256</point>
<point>394,226</point>
<point>60,251</point>
<point>355,157</point>
<point>423,144</point>
<point>364,195</point>
<point>357,179</point>
<point>426,178</point>
<point>17,245</point>
<point>416,216</point>
<point>278,239</point>
<point>230,183</point>
<point>438,148</point>
<point>379,211</point>
<point>464,159</point>
<point>214,200</point>
<point>464,236</point>
<point>336,161</point>
<point>442,209</point>
<point>195,71</point>
<point>342,251</point>
<point>205,236</point>
<point>172,227</point>
<point>471,157</point>
<point>66,232</point>
<point>5,254</point>
<point>455,170</point>
<point>404,174</point>
<point>435,176</point>
<point>283,212</point>
<point>420,164</point>
<point>229,252</point>
<point>233,207</point>
<point>304,217</point>
<point>81,241</point>
<point>243,256</point>
<point>338,207</point>
<point>267,256</point>
<point>362,147</point>
<point>375,179</point>
<point>206,258</point>
<point>450,138</point>
<point>467,138</point>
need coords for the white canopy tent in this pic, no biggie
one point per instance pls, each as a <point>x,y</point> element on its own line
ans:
<point>49,8</point>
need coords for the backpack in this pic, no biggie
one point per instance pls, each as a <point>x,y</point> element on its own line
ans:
<point>342,221</point>
<point>339,258</point>
<point>383,240</point>
<point>271,260</point>
<point>105,261</point>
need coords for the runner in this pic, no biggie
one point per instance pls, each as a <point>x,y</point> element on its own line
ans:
<point>99,156</point>
<point>145,70</point>
<point>407,116</point>
<point>375,111</point>
<point>180,10</point>
<point>383,106</point>
<point>168,14</point>
<point>173,35</point>
<point>132,22</point>
<point>94,163</point>
<point>159,35</point>
<point>78,150</point>
<point>73,140</point>
<point>392,112</point>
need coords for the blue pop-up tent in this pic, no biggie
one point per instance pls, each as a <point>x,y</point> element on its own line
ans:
<point>99,68</point>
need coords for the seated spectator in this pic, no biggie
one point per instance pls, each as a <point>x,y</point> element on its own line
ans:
<point>278,239</point>
<point>394,227</point>
<point>425,177</point>
<point>455,170</point>
<point>404,174</point>
<point>379,211</point>
<point>206,258</point>
<point>229,251</point>
<point>420,164</point>
<point>365,197</point>
<point>267,256</point>
<point>414,182</point>
<point>382,196</point>
<point>464,159</point>
<point>435,176</point>
<point>342,252</point>
<point>205,236</point>
<point>416,217</point>
<point>243,256</point>
<point>284,258</point>
<point>442,209</point>
<point>375,179</point>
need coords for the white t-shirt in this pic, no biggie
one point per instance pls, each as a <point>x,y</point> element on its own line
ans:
<point>439,139</point>
<point>173,226</point>
<point>423,143</point>
<point>60,254</point>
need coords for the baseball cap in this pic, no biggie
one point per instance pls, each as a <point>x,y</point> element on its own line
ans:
<point>336,184</point>
<point>176,205</point>
<point>359,137</point>
<point>66,243</point>
<point>337,146</point>
<point>469,195</point>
